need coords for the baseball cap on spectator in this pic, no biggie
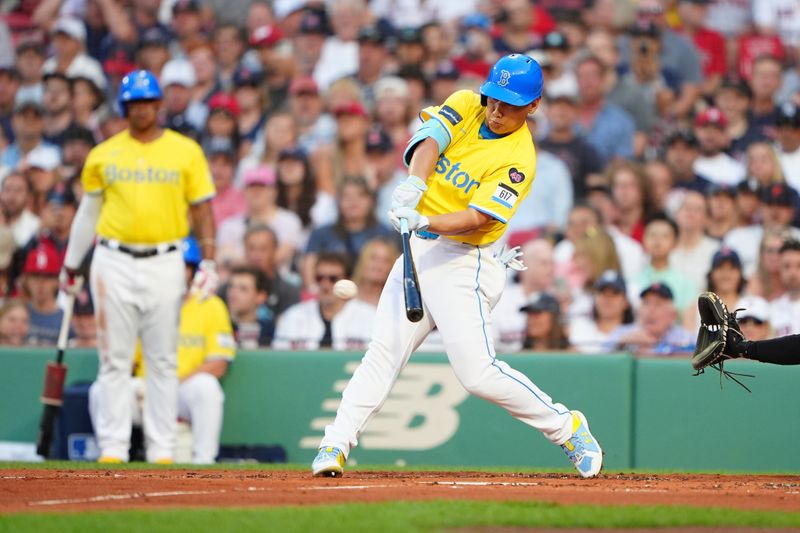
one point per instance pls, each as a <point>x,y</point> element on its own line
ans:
<point>658,288</point>
<point>178,72</point>
<point>246,77</point>
<point>27,100</point>
<point>446,70</point>
<point>295,153</point>
<point>184,6</point>
<point>303,85</point>
<point>224,102</point>
<point>155,36</point>
<point>42,261</point>
<point>371,34</point>
<point>265,35</point>
<point>61,195</point>
<point>711,117</point>
<point>314,21</point>
<point>726,255</point>
<point>476,20</point>
<point>119,61</point>
<point>610,279</point>
<point>219,146</point>
<point>91,73</point>
<point>43,158</point>
<point>541,302</point>
<point>721,188</point>
<point>284,8</point>
<point>72,27</point>
<point>778,194</point>
<point>379,141</point>
<point>555,40</point>
<point>408,35</point>
<point>7,246</point>
<point>349,108</point>
<point>754,308</point>
<point>260,175</point>
<point>390,86</point>
<point>682,136</point>
<point>788,116</point>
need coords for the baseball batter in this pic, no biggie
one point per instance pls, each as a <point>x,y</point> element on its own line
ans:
<point>139,186</point>
<point>470,165</point>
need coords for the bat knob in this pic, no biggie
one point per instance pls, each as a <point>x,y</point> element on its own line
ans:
<point>414,315</point>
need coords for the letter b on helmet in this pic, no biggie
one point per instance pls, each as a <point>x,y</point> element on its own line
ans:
<point>138,85</point>
<point>515,79</point>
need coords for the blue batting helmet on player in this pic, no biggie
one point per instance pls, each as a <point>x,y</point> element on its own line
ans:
<point>191,251</point>
<point>515,79</point>
<point>138,85</point>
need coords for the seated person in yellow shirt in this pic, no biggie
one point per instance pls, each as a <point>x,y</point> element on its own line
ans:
<point>205,349</point>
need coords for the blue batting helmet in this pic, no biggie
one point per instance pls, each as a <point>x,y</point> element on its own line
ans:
<point>515,79</point>
<point>191,251</point>
<point>138,85</point>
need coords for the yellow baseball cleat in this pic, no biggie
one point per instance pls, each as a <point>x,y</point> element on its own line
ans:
<point>108,460</point>
<point>328,462</point>
<point>164,461</point>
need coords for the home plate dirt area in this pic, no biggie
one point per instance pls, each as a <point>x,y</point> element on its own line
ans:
<point>31,490</point>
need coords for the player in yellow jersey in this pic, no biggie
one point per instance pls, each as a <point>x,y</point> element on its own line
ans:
<point>140,186</point>
<point>205,350</point>
<point>471,164</point>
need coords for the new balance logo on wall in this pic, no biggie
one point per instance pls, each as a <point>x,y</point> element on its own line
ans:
<point>419,414</point>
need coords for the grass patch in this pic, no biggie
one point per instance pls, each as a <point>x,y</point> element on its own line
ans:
<point>395,517</point>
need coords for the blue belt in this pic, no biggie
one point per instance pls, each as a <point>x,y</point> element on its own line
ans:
<point>427,235</point>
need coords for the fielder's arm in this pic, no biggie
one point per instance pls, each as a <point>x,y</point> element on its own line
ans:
<point>204,230</point>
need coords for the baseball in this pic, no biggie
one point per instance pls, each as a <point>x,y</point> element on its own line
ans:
<point>345,289</point>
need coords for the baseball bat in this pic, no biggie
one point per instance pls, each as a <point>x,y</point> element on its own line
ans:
<point>53,391</point>
<point>411,291</point>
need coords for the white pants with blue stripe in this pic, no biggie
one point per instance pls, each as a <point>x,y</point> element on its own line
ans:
<point>460,285</point>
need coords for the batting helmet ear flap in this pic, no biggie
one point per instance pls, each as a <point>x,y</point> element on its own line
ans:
<point>483,100</point>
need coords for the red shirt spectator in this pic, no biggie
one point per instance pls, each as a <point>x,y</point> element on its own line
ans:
<point>751,47</point>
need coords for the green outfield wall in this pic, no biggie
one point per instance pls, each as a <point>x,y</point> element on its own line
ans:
<point>647,413</point>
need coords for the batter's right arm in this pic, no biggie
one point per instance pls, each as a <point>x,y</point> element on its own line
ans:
<point>81,234</point>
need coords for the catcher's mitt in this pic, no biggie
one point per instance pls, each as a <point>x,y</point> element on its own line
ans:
<point>719,331</point>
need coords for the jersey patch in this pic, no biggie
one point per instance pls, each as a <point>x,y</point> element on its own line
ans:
<point>450,114</point>
<point>505,195</point>
<point>515,175</point>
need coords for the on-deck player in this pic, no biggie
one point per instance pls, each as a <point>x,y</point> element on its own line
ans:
<point>470,165</point>
<point>139,186</point>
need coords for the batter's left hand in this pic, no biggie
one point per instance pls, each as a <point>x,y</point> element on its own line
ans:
<point>511,258</point>
<point>415,220</point>
<point>206,279</point>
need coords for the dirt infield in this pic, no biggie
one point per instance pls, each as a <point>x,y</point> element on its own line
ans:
<point>83,490</point>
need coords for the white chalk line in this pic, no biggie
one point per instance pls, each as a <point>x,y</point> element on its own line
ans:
<point>129,496</point>
<point>351,487</point>
<point>481,483</point>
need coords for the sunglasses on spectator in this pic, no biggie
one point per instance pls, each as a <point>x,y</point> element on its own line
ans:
<point>333,278</point>
<point>751,320</point>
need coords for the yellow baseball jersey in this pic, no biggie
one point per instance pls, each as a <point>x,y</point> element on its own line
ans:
<point>205,333</point>
<point>492,176</point>
<point>147,187</point>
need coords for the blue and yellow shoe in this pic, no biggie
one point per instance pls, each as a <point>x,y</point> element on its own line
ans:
<point>582,448</point>
<point>328,462</point>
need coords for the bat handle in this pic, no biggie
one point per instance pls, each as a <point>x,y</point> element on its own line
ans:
<point>404,226</point>
<point>63,333</point>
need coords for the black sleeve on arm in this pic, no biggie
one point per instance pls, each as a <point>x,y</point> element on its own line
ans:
<point>779,351</point>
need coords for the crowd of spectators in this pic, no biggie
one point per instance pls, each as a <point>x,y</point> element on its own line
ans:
<point>668,153</point>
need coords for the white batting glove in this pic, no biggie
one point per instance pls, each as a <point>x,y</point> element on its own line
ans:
<point>70,281</point>
<point>511,258</point>
<point>408,193</point>
<point>206,279</point>
<point>415,220</point>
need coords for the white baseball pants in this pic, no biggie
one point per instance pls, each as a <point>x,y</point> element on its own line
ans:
<point>200,402</point>
<point>137,299</point>
<point>460,285</point>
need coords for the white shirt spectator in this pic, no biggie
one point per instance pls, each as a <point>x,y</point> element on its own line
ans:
<point>301,327</point>
<point>695,263</point>
<point>784,315</point>
<point>585,337</point>
<point>721,169</point>
<point>790,164</point>
<point>25,228</point>
<point>782,16</point>
<point>337,60</point>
